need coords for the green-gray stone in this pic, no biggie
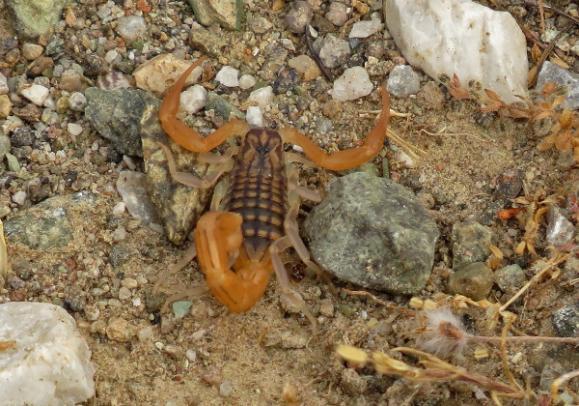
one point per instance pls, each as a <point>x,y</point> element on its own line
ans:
<point>35,17</point>
<point>47,225</point>
<point>13,164</point>
<point>181,308</point>
<point>373,232</point>
<point>117,116</point>
<point>470,243</point>
<point>222,107</point>
<point>510,278</point>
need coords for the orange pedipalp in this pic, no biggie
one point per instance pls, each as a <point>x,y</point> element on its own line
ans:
<point>350,158</point>
<point>185,136</point>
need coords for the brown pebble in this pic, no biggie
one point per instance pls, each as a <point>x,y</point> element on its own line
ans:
<point>119,330</point>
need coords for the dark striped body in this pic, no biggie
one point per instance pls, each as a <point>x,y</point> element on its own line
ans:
<point>258,190</point>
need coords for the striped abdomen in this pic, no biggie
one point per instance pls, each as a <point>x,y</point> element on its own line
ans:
<point>258,190</point>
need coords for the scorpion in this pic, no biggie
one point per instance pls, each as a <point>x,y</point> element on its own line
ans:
<point>239,241</point>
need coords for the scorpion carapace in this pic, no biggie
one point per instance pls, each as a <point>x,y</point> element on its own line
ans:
<point>238,243</point>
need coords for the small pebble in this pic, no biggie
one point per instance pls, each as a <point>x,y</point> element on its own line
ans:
<point>131,27</point>
<point>510,278</point>
<point>566,321</point>
<point>263,97</point>
<point>13,164</point>
<point>364,29</point>
<point>77,101</point>
<point>181,308</point>
<point>403,81</point>
<point>119,330</point>
<point>4,89</point>
<point>193,99</point>
<point>254,117</point>
<point>560,231</point>
<point>334,51</point>
<point>474,281</point>
<point>37,94</point>
<point>353,84</point>
<point>71,81</point>
<point>191,355</point>
<point>119,209</point>
<point>5,105</point>
<point>19,197</point>
<point>299,15</point>
<point>119,234</point>
<point>225,389</point>
<point>246,82</point>
<point>228,76</point>
<point>31,51</point>
<point>129,283</point>
<point>124,293</point>
<point>352,382</point>
<point>337,13</point>
<point>74,129</point>
<point>306,66</point>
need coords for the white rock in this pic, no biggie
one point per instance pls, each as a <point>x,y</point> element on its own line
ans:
<point>49,363</point>
<point>37,94</point>
<point>363,29</point>
<point>111,55</point>
<point>353,84</point>
<point>193,99</point>
<point>246,82</point>
<point>262,97</point>
<point>254,116</point>
<point>77,101</point>
<point>3,84</point>
<point>447,37</point>
<point>74,129</point>
<point>228,76</point>
<point>19,197</point>
<point>119,209</point>
<point>131,27</point>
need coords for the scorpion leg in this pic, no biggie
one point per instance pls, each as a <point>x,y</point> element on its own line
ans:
<point>188,179</point>
<point>185,136</point>
<point>275,249</point>
<point>350,158</point>
<point>218,239</point>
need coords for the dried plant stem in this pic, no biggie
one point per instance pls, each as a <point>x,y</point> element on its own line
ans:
<point>526,339</point>
<point>548,266</point>
<point>560,381</point>
<point>554,9</point>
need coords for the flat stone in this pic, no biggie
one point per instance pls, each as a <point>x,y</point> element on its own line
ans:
<point>131,27</point>
<point>263,97</point>
<point>306,66</point>
<point>510,278</point>
<point>334,51</point>
<point>228,76</point>
<point>299,15</point>
<point>373,232</point>
<point>365,29</point>
<point>193,99</point>
<point>37,94</point>
<point>566,321</point>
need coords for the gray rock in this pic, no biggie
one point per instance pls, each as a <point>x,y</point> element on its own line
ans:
<point>132,187</point>
<point>117,116</point>
<point>131,27</point>
<point>177,205</point>
<point>299,15</point>
<point>34,17</point>
<point>474,281</point>
<point>562,77</point>
<point>222,107</point>
<point>372,232</point>
<point>334,51</point>
<point>566,321</point>
<point>5,145</point>
<point>403,81</point>
<point>50,224</point>
<point>510,278</point>
<point>470,243</point>
<point>337,13</point>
